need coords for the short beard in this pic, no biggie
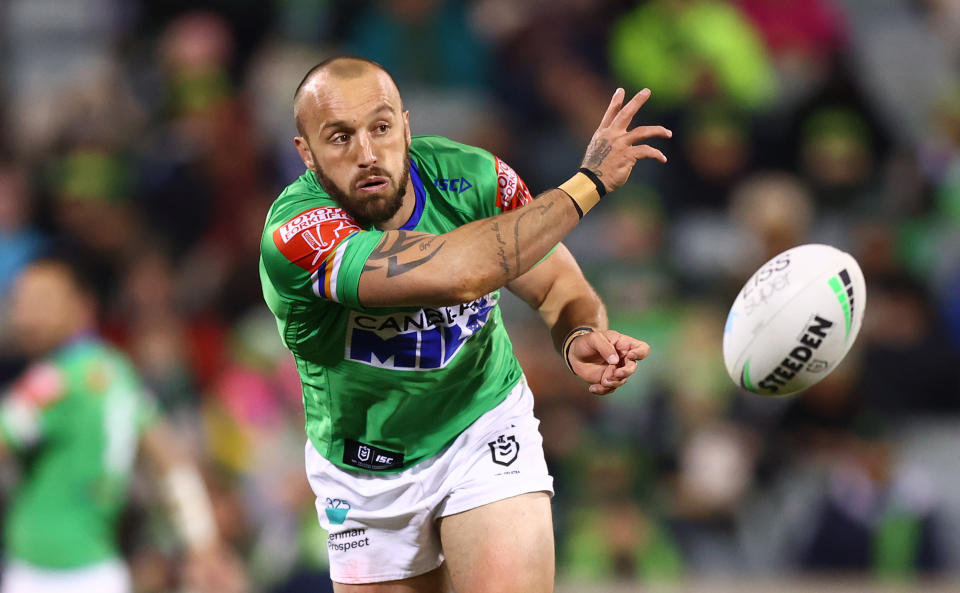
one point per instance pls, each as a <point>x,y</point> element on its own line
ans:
<point>369,211</point>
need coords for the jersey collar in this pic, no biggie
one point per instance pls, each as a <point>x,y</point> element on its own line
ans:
<point>421,195</point>
<point>418,190</point>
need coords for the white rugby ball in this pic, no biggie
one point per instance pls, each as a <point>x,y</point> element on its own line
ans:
<point>794,320</point>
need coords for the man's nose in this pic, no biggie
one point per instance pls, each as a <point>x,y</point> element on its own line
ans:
<point>368,157</point>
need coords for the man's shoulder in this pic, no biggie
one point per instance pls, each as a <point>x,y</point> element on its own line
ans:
<point>458,170</point>
<point>443,149</point>
<point>303,194</point>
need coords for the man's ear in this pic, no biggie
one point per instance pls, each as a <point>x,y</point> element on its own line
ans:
<point>305,155</point>
<point>406,120</point>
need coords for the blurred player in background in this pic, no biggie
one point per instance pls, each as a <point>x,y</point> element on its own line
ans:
<point>383,264</point>
<point>73,421</point>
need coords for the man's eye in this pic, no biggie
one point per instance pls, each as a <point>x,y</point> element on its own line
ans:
<point>340,139</point>
<point>382,128</point>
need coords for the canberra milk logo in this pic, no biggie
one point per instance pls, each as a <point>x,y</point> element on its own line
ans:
<point>422,340</point>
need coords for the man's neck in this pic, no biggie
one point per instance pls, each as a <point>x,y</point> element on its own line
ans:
<point>405,212</point>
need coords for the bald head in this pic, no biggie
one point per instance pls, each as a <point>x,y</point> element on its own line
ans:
<point>318,81</point>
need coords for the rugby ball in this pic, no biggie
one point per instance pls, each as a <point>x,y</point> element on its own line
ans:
<point>794,320</point>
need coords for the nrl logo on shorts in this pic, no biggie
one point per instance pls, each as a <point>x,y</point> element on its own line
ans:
<point>504,449</point>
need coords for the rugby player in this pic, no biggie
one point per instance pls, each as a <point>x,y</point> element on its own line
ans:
<point>383,264</point>
<point>73,421</point>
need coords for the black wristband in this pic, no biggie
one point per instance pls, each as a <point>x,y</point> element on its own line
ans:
<point>596,180</point>
<point>575,205</point>
<point>568,341</point>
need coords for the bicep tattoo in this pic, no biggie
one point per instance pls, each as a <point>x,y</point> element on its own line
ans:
<point>388,253</point>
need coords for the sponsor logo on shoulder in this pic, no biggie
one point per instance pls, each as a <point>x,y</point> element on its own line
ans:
<point>512,192</point>
<point>312,218</point>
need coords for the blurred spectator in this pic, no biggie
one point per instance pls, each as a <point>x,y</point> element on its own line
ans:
<point>254,421</point>
<point>873,518</point>
<point>775,212</point>
<point>421,42</point>
<point>716,144</point>
<point>836,157</point>
<point>610,536</point>
<point>804,38</point>
<point>691,51</point>
<point>19,240</point>
<point>73,422</point>
<point>906,351</point>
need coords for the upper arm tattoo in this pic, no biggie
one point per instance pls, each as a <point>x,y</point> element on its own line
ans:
<point>388,253</point>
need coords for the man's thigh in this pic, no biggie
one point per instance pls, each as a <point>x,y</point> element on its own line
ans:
<point>435,581</point>
<point>502,547</point>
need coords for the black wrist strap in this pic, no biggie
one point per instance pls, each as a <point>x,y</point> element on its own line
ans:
<point>596,180</point>
<point>575,205</point>
<point>568,342</point>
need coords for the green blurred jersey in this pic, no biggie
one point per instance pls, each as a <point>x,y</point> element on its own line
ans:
<point>74,421</point>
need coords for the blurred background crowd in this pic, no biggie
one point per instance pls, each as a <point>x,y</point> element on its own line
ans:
<point>151,137</point>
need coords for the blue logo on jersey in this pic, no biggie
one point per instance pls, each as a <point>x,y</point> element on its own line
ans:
<point>458,185</point>
<point>424,340</point>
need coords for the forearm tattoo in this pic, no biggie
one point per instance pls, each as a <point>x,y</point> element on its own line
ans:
<point>541,209</point>
<point>501,248</point>
<point>596,153</point>
<point>390,253</point>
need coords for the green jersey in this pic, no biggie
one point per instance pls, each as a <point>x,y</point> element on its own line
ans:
<point>384,388</point>
<point>74,421</point>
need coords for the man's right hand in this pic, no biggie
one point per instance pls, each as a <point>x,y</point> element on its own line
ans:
<point>614,149</point>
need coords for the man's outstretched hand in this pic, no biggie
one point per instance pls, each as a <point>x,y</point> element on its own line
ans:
<point>606,359</point>
<point>614,149</point>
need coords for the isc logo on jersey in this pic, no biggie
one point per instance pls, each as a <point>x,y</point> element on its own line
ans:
<point>417,341</point>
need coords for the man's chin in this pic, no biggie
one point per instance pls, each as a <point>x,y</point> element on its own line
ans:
<point>378,208</point>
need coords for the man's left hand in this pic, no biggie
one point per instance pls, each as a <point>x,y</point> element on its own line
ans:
<point>606,359</point>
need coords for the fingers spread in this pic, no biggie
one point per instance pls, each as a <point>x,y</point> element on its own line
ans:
<point>623,119</point>
<point>647,152</point>
<point>615,102</point>
<point>644,132</point>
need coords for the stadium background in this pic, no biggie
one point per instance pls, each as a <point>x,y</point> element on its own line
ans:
<point>151,136</point>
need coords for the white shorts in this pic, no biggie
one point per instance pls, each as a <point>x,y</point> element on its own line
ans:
<point>383,526</point>
<point>107,577</point>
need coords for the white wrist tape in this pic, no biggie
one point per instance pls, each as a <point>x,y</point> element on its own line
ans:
<point>190,506</point>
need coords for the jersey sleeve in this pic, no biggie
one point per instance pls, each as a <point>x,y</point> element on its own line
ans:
<point>25,408</point>
<point>318,253</point>
<point>512,192</point>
